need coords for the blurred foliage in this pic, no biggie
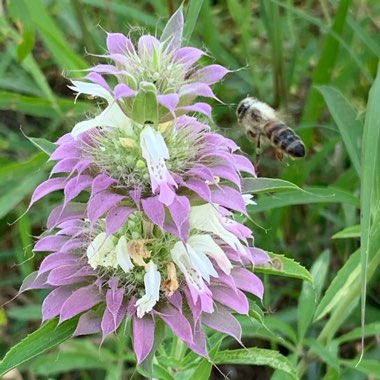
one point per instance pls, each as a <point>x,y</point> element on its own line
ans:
<point>314,60</point>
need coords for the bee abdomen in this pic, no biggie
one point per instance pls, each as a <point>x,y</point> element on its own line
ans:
<point>284,138</point>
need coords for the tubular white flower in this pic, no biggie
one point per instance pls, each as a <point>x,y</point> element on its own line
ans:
<point>101,252</point>
<point>155,152</point>
<point>192,274</point>
<point>152,282</point>
<point>204,244</point>
<point>122,255</point>
<point>112,116</point>
<point>208,219</point>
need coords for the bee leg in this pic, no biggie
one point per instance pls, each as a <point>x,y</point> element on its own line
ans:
<point>279,155</point>
<point>258,150</point>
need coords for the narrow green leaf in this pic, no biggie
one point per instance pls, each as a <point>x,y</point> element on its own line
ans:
<point>369,330</point>
<point>50,365</point>
<point>310,293</point>
<point>340,286</point>
<point>191,18</point>
<point>283,266</point>
<point>266,185</point>
<point>370,367</point>
<point>47,336</point>
<point>346,118</point>
<point>256,356</point>
<point>369,201</point>
<point>25,313</point>
<point>348,232</point>
<point>330,358</point>
<point>26,44</point>
<point>307,196</point>
<point>43,145</point>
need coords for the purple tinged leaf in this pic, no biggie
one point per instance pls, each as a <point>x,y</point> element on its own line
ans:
<point>123,91</point>
<point>188,56</point>
<point>176,321</point>
<point>228,197</point>
<point>73,244</point>
<point>136,195</point>
<point>143,336</point>
<point>47,187</point>
<point>104,69</point>
<point>76,185</point>
<point>196,89</point>
<point>100,203</point>
<point>154,209</point>
<point>199,187</point>
<point>111,323</point>
<point>203,172</point>
<point>248,281</point>
<point>70,150</point>
<point>176,299</point>
<point>69,274</point>
<point>259,256</point>
<point>222,320</point>
<point>79,301</point>
<point>55,260</point>
<point>210,74</point>
<point>147,44</point>
<point>225,171</point>
<point>198,345</point>
<point>53,302</point>
<point>114,297</point>
<point>168,101</point>
<point>89,323</point>
<point>235,300</point>
<point>50,243</point>
<point>116,218</point>
<point>66,138</point>
<point>243,164</point>
<point>118,43</point>
<point>173,31</point>
<point>98,79</point>
<point>64,166</point>
<point>34,281</point>
<point>180,211</point>
<point>100,183</point>
<point>200,107</point>
<point>61,214</point>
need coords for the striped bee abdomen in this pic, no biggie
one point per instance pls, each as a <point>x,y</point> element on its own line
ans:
<point>284,138</point>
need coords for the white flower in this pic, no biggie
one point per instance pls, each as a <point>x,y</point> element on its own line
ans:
<point>101,252</point>
<point>155,152</point>
<point>248,199</point>
<point>122,255</point>
<point>208,219</point>
<point>152,282</point>
<point>192,272</point>
<point>112,116</point>
<point>204,244</point>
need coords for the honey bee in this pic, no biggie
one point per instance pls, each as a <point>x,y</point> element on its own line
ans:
<point>259,120</point>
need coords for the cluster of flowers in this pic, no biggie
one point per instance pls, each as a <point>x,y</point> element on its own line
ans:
<point>153,235</point>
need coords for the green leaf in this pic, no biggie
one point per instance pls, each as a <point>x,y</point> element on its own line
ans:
<point>369,330</point>
<point>43,145</point>
<point>310,293</point>
<point>26,44</point>
<point>191,18</point>
<point>47,336</point>
<point>266,185</point>
<point>340,286</point>
<point>368,366</point>
<point>348,232</point>
<point>256,356</point>
<point>370,179</point>
<point>49,365</point>
<point>308,196</point>
<point>346,118</point>
<point>330,358</point>
<point>25,313</point>
<point>284,266</point>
